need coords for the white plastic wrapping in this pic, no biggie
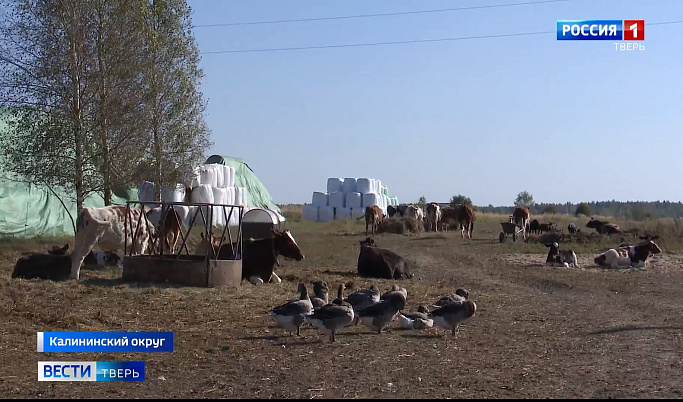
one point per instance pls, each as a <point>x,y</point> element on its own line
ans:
<point>370,199</point>
<point>342,214</point>
<point>319,199</point>
<point>202,194</point>
<point>334,184</point>
<point>336,199</point>
<point>245,197</point>
<point>208,176</point>
<point>325,214</point>
<point>353,200</point>
<point>349,185</point>
<point>364,185</point>
<point>183,212</point>
<point>218,218</point>
<point>220,195</point>
<point>357,213</point>
<point>309,212</point>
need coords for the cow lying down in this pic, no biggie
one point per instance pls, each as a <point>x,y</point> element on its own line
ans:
<point>634,256</point>
<point>375,262</point>
<point>43,266</point>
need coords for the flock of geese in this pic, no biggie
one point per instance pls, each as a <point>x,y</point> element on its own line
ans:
<point>366,305</point>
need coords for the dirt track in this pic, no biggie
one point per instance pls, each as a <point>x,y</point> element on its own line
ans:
<point>538,331</point>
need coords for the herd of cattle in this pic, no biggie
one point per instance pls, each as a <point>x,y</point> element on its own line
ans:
<point>111,230</point>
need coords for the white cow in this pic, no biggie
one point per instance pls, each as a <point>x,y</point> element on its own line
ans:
<point>433,216</point>
<point>106,227</point>
<point>414,212</point>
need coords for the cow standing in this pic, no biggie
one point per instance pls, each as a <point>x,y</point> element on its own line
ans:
<point>466,220</point>
<point>433,216</point>
<point>109,228</point>
<point>521,217</point>
<point>373,218</point>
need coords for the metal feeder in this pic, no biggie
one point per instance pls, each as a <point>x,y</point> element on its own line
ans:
<point>184,267</point>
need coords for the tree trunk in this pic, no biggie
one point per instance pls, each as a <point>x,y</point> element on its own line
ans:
<point>78,127</point>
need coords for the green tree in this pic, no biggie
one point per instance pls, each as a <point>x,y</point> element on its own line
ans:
<point>460,199</point>
<point>178,132</point>
<point>422,202</point>
<point>524,199</point>
<point>583,209</point>
<point>550,209</point>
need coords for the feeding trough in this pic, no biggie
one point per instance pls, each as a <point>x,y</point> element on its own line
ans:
<point>183,267</point>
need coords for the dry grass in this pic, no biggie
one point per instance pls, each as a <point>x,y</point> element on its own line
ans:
<point>538,332</point>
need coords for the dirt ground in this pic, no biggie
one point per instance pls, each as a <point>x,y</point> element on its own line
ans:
<point>538,332</point>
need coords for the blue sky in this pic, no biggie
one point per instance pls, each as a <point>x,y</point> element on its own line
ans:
<point>487,118</point>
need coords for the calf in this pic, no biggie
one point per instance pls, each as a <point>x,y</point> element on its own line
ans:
<point>392,210</point>
<point>94,258</point>
<point>259,257</point>
<point>562,257</point>
<point>450,216</point>
<point>414,212</point>
<point>433,216</point>
<point>373,218</point>
<point>169,229</point>
<point>375,262</point>
<point>635,256</point>
<point>546,227</point>
<point>603,227</point>
<point>572,228</point>
<point>43,266</point>
<point>534,226</point>
<point>466,220</point>
<point>112,230</point>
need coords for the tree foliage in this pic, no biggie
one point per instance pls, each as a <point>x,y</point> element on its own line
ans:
<point>459,200</point>
<point>583,209</point>
<point>524,199</point>
<point>94,90</point>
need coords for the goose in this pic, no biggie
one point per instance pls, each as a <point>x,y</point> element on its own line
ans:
<point>453,314</point>
<point>362,299</point>
<point>321,292</point>
<point>379,315</point>
<point>418,320</point>
<point>393,290</point>
<point>460,294</point>
<point>291,315</point>
<point>332,317</point>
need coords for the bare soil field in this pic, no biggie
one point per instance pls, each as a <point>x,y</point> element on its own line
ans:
<point>539,332</point>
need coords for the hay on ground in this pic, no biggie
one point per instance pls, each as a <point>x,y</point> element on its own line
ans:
<point>400,226</point>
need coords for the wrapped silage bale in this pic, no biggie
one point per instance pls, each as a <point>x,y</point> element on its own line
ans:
<point>325,214</point>
<point>385,202</point>
<point>220,176</point>
<point>231,176</point>
<point>336,199</point>
<point>226,176</point>
<point>146,191</point>
<point>349,185</point>
<point>240,193</point>
<point>357,213</point>
<point>231,196</point>
<point>342,214</point>
<point>245,198</point>
<point>202,194</point>
<point>334,184</point>
<point>319,199</point>
<point>353,200</point>
<point>173,194</point>
<point>208,176</point>
<point>220,195</point>
<point>379,187</point>
<point>370,199</point>
<point>310,212</point>
<point>363,185</point>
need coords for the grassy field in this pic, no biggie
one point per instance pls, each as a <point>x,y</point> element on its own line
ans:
<point>538,332</point>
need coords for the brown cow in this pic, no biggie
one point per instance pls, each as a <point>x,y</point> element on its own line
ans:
<point>373,218</point>
<point>169,229</point>
<point>466,220</point>
<point>521,216</point>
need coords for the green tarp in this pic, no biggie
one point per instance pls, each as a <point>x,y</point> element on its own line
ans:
<point>27,210</point>
<point>258,196</point>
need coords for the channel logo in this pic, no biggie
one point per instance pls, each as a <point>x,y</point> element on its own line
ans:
<point>91,371</point>
<point>627,30</point>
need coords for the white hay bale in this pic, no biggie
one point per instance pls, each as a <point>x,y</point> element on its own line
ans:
<point>231,196</point>
<point>220,175</point>
<point>363,185</point>
<point>370,199</point>
<point>325,214</point>
<point>208,176</point>
<point>349,185</point>
<point>320,199</point>
<point>336,199</point>
<point>342,214</point>
<point>218,218</point>
<point>245,198</point>
<point>202,194</point>
<point>357,213</point>
<point>183,212</point>
<point>379,187</point>
<point>334,184</point>
<point>220,195</point>
<point>353,200</point>
<point>310,212</point>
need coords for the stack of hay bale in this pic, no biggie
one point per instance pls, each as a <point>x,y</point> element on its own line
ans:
<point>347,199</point>
<point>211,184</point>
